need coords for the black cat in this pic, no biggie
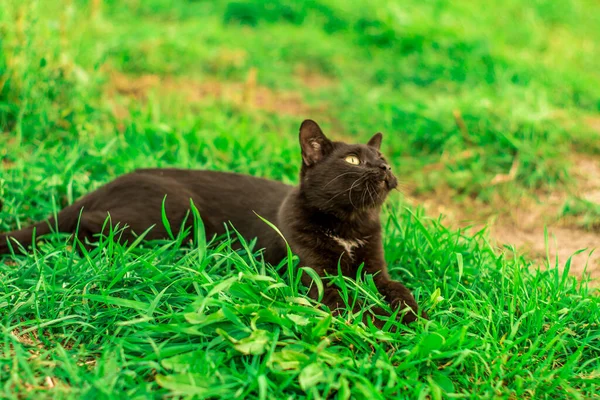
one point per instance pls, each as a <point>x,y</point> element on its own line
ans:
<point>331,217</point>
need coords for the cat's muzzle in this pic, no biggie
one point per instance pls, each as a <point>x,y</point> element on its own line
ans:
<point>390,181</point>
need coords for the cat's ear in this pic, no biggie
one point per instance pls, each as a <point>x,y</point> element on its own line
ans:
<point>314,143</point>
<point>375,141</point>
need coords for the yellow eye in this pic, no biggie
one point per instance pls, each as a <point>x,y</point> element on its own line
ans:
<point>352,159</point>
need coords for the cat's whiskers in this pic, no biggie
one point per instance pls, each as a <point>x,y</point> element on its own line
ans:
<point>367,191</point>
<point>370,195</point>
<point>343,191</point>
<point>340,193</point>
<point>340,175</point>
<point>364,194</point>
<point>405,186</point>
<point>363,177</point>
<point>378,194</point>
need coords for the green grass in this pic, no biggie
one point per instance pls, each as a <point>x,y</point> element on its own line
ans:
<point>469,88</point>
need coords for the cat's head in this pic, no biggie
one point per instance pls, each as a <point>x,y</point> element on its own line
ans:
<point>341,177</point>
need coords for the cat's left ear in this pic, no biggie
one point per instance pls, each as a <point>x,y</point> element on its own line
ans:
<point>314,143</point>
<point>376,140</point>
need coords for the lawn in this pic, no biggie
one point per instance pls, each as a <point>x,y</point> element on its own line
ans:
<point>480,104</point>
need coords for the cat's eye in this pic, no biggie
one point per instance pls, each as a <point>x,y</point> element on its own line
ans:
<point>352,159</point>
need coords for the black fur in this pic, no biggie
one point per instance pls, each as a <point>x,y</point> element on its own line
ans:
<point>332,216</point>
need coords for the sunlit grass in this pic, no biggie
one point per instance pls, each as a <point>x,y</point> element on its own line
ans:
<point>462,93</point>
<point>163,318</point>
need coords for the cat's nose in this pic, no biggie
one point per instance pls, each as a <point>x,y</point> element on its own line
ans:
<point>385,167</point>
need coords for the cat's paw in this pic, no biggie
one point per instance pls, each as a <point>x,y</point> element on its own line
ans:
<point>379,316</point>
<point>401,298</point>
<point>409,311</point>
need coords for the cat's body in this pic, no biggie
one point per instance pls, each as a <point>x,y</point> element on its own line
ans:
<point>136,200</point>
<point>331,218</point>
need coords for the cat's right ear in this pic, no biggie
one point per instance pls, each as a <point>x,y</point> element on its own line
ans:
<point>314,143</point>
<point>376,140</point>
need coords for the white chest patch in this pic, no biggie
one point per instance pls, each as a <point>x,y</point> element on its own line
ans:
<point>348,244</point>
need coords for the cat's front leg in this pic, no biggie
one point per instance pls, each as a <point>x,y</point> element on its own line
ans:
<point>331,298</point>
<point>395,293</point>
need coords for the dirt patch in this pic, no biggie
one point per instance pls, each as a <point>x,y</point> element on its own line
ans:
<point>523,223</point>
<point>28,339</point>
<point>247,94</point>
<point>124,89</point>
<point>7,164</point>
<point>312,79</point>
<point>594,123</point>
<point>137,86</point>
<point>562,243</point>
<point>587,173</point>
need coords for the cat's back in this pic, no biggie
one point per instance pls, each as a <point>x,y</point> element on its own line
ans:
<point>227,188</point>
<point>217,179</point>
<point>224,197</point>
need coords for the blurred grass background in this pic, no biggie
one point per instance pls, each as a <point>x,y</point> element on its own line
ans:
<point>473,87</point>
<point>481,105</point>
